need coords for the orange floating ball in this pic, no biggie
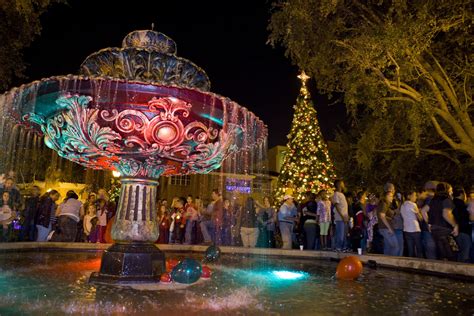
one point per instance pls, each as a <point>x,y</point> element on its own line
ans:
<point>349,268</point>
<point>206,272</point>
<point>171,263</point>
<point>165,278</point>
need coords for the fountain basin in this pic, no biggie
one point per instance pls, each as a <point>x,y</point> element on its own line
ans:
<point>136,128</point>
<point>245,283</point>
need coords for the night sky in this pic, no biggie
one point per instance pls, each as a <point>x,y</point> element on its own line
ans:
<point>225,38</point>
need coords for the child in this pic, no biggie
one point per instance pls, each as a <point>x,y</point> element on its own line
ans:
<point>324,216</point>
<point>165,221</point>
<point>7,214</point>
<point>191,216</point>
<point>87,224</point>
<point>102,219</point>
<point>180,221</point>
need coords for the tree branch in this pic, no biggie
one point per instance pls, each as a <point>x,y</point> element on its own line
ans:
<point>443,135</point>
<point>426,150</point>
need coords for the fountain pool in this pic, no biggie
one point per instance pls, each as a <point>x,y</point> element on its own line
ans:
<point>55,283</point>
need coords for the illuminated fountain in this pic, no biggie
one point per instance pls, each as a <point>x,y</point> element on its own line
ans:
<point>144,112</point>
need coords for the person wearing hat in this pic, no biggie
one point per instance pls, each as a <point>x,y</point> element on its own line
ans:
<point>286,220</point>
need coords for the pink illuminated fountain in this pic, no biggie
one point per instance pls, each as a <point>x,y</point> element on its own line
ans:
<point>144,112</point>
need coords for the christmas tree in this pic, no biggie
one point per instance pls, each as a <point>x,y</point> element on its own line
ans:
<point>306,166</point>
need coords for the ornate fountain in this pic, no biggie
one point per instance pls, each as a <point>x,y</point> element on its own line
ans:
<point>146,113</point>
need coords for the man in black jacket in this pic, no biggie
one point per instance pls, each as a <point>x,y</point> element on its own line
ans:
<point>29,214</point>
<point>461,216</point>
<point>46,211</point>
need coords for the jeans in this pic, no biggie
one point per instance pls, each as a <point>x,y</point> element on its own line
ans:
<point>310,233</point>
<point>341,229</point>
<point>429,246</point>
<point>286,230</point>
<point>249,236</point>
<point>465,244</point>
<point>189,232</point>
<point>28,231</point>
<point>414,247</point>
<point>43,232</point>
<point>363,242</point>
<point>399,235</point>
<point>6,232</point>
<point>207,229</point>
<point>390,243</point>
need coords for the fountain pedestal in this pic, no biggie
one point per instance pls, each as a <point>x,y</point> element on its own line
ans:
<point>134,257</point>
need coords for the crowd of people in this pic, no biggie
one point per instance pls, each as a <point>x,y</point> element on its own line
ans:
<point>435,222</point>
<point>45,218</point>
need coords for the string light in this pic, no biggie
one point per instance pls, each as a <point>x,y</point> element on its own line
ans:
<point>307,165</point>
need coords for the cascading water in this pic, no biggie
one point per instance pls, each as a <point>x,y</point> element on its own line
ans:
<point>146,113</point>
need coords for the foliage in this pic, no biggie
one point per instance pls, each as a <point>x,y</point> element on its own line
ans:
<point>404,68</point>
<point>307,165</point>
<point>19,25</point>
<point>404,168</point>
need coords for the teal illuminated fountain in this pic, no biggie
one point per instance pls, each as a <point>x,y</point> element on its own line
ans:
<point>144,112</point>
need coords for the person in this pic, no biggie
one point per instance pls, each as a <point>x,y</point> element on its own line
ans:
<point>69,214</point>
<point>341,215</point>
<point>227,223</point>
<point>262,233</point>
<point>309,222</point>
<point>287,216</point>
<point>324,217</point>
<point>197,234</point>
<point>7,215</point>
<point>373,235</point>
<point>109,205</point>
<point>217,215</point>
<point>164,221</point>
<point>207,224</point>
<point>102,215</point>
<point>236,206</point>
<point>31,209</point>
<point>179,221</point>
<point>248,224</point>
<point>46,214</point>
<point>411,224</point>
<point>440,217</point>
<point>191,217</point>
<point>269,222</point>
<point>461,216</point>
<point>87,222</point>
<point>173,215</point>
<point>15,196</point>
<point>427,241</point>
<point>358,228</point>
<point>385,215</point>
<point>397,221</point>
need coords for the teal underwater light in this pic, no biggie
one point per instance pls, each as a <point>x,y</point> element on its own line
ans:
<point>289,275</point>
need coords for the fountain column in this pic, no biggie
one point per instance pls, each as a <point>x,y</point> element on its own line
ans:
<point>134,256</point>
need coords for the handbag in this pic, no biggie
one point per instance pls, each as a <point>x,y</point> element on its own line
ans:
<point>453,244</point>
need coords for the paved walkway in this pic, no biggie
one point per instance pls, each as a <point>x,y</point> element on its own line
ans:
<point>448,269</point>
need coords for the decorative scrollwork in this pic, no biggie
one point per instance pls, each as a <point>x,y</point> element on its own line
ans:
<point>137,142</point>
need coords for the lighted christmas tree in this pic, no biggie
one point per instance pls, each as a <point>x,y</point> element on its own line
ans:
<point>306,166</point>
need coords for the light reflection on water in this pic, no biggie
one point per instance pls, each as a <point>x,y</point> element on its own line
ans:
<point>56,283</point>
